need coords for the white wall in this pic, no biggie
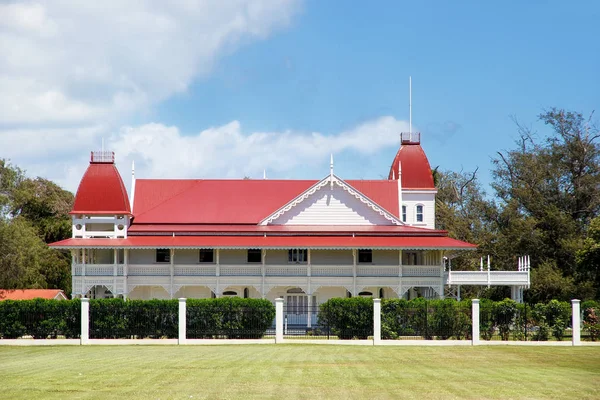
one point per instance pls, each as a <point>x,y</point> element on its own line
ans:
<point>142,256</point>
<point>331,257</point>
<point>194,292</point>
<point>411,200</point>
<point>385,257</point>
<point>187,256</point>
<point>234,257</point>
<point>276,257</point>
<point>331,207</point>
<point>148,293</point>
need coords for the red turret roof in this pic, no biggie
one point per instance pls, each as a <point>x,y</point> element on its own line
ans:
<point>101,190</point>
<point>416,171</point>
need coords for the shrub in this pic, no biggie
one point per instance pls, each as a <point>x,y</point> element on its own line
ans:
<point>348,318</point>
<point>229,317</point>
<point>40,318</point>
<point>504,313</point>
<point>591,322</point>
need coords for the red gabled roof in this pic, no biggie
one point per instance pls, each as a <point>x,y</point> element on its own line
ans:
<point>101,191</point>
<point>416,171</point>
<point>272,242</point>
<point>143,229</point>
<point>29,294</point>
<point>233,201</point>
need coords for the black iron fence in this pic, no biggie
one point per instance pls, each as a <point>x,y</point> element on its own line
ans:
<point>507,320</point>
<point>425,319</point>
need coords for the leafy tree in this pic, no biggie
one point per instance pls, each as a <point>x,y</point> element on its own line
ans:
<point>588,256</point>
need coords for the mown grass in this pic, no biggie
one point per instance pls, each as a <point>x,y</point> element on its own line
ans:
<point>299,371</point>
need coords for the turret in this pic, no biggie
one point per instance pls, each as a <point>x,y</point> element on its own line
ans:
<point>101,208</point>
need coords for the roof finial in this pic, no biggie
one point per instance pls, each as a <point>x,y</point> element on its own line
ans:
<point>331,169</point>
<point>133,168</point>
<point>264,174</point>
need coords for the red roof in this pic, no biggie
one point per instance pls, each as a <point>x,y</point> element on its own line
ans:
<point>29,294</point>
<point>272,242</point>
<point>101,191</point>
<point>138,229</point>
<point>416,171</point>
<point>233,201</point>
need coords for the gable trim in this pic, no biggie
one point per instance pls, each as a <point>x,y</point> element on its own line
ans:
<point>332,179</point>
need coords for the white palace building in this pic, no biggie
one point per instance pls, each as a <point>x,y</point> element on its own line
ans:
<point>303,240</point>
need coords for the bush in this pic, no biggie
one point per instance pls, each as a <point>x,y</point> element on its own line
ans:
<point>40,318</point>
<point>229,317</point>
<point>348,318</point>
<point>591,321</point>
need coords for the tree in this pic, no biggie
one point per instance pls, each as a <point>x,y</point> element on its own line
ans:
<point>588,257</point>
<point>549,190</point>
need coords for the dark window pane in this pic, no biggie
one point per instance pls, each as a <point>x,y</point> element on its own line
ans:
<point>206,255</point>
<point>163,255</point>
<point>254,255</point>
<point>365,256</point>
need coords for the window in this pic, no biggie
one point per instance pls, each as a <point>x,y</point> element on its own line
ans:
<point>206,255</point>
<point>254,255</point>
<point>297,255</point>
<point>229,293</point>
<point>163,255</point>
<point>365,294</point>
<point>381,293</point>
<point>365,256</point>
<point>419,213</point>
<point>409,258</point>
<point>246,293</point>
<point>403,213</point>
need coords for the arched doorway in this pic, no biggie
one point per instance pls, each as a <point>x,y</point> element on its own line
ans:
<point>300,309</point>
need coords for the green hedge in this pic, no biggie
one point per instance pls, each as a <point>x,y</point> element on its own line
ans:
<point>349,318</point>
<point>229,317</point>
<point>133,319</point>
<point>40,319</point>
<point>591,320</point>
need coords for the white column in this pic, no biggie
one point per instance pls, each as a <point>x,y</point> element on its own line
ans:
<point>218,272</point>
<point>182,322</point>
<point>279,320</point>
<point>576,321</point>
<point>309,313</point>
<point>475,317</point>
<point>263,271</point>
<point>83,262</point>
<point>172,271</point>
<point>354,272</point>
<point>85,321</point>
<point>376,322</point>
<point>125,265</point>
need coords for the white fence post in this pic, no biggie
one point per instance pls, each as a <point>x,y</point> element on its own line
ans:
<point>576,322</point>
<point>279,320</point>
<point>182,321</point>
<point>85,321</point>
<point>376,322</point>
<point>475,318</point>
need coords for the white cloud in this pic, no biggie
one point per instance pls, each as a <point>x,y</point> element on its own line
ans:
<point>226,151</point>
<point>82,61</point>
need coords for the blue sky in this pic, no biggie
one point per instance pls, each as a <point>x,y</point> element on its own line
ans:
<point>191,92</point>
<point>474,64</point>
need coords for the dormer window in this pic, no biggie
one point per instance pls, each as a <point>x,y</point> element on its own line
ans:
<point>419,214</point>
<point>403,213</point>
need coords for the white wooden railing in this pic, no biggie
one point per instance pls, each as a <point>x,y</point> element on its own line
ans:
<point>487,278</point>
<point>331,270</point>
<point>377,270</point>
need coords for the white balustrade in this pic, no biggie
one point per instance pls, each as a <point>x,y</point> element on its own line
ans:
<point>481,277</point>
<point>240,270</point>
<point>195,270</point>
<point>97,270</point>
<point>377,270</point>
<point>331,270</point>
<point>287,270</point>
<point>420,270</point>
<point>149,270</point>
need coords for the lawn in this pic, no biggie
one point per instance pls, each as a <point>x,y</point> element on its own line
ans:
<point>299,371</point>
